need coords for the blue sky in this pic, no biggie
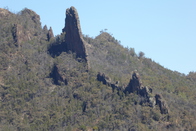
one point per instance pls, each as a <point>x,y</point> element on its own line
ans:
<point>164,30</point>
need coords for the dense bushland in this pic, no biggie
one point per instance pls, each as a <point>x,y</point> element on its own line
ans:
<point>31,100</point>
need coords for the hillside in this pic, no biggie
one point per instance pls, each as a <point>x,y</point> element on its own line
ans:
<point>75,82</point>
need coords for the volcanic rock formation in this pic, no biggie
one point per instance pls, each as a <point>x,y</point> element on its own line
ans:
<point>21,33</point>
<point>135,86</point>
<point>161,103</point>
<point>107,81</point>
<point>73,36</point>
<point>135,83</point>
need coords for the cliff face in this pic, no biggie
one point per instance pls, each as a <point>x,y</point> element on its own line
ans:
<point>28,29</point>
<point>73,37</point>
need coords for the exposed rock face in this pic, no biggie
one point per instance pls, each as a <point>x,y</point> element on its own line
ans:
<point>135,83</point>
<point>135,86</point>
<point>18,34</point>
<point>104,79</point>
<point>57,77</point>
<point>73,36</point>
<point>162,104</point>
<point>146,92</point>
<point>21,32</point>
<point>107,81</point>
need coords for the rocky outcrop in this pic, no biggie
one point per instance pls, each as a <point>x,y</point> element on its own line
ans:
<point>148,96</point>
<point>108,81</point>
<point>21,32</point>
<point>104,79</point>
<point>18,34</point>
<point>58,79</point>
<point>162,104</point>
<point>135,83</point>
<point>73,36</point>
<point>135,86</point>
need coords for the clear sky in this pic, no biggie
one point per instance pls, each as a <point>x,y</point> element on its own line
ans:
<point>165,30</point>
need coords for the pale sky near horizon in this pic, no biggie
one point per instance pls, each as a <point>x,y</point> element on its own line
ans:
<point>164,30</point>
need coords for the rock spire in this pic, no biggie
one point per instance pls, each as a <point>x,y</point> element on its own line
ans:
<point>73,36</point>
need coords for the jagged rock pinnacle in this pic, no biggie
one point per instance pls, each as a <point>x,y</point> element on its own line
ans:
<point>73,36</point>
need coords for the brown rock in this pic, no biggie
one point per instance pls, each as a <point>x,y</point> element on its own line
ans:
<point>162,104</point>
<point>107,81</point>
<point>73,36</point>
<point>21,32</point>
<point>19,35</point>
<point>104,79</point>
<point>135,83</point>
<point>135,86</point>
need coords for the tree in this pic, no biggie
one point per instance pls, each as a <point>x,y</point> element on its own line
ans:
<point>132,52</point>
<point>141,54</point>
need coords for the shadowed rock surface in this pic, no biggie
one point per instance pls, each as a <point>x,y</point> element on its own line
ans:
<point>40,92</point>
<point>135,86</point>
<point>104,79</point>
<point>57,77</point>
<point>135,83</point>
<point>107,81</point>
<point>73,37</point>
<point>162,104</point>
<point>22,34</point>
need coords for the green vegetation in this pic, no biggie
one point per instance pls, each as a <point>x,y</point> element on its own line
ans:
<point>30,100</point>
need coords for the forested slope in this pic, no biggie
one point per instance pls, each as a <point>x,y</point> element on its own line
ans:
<point>46,87</point>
